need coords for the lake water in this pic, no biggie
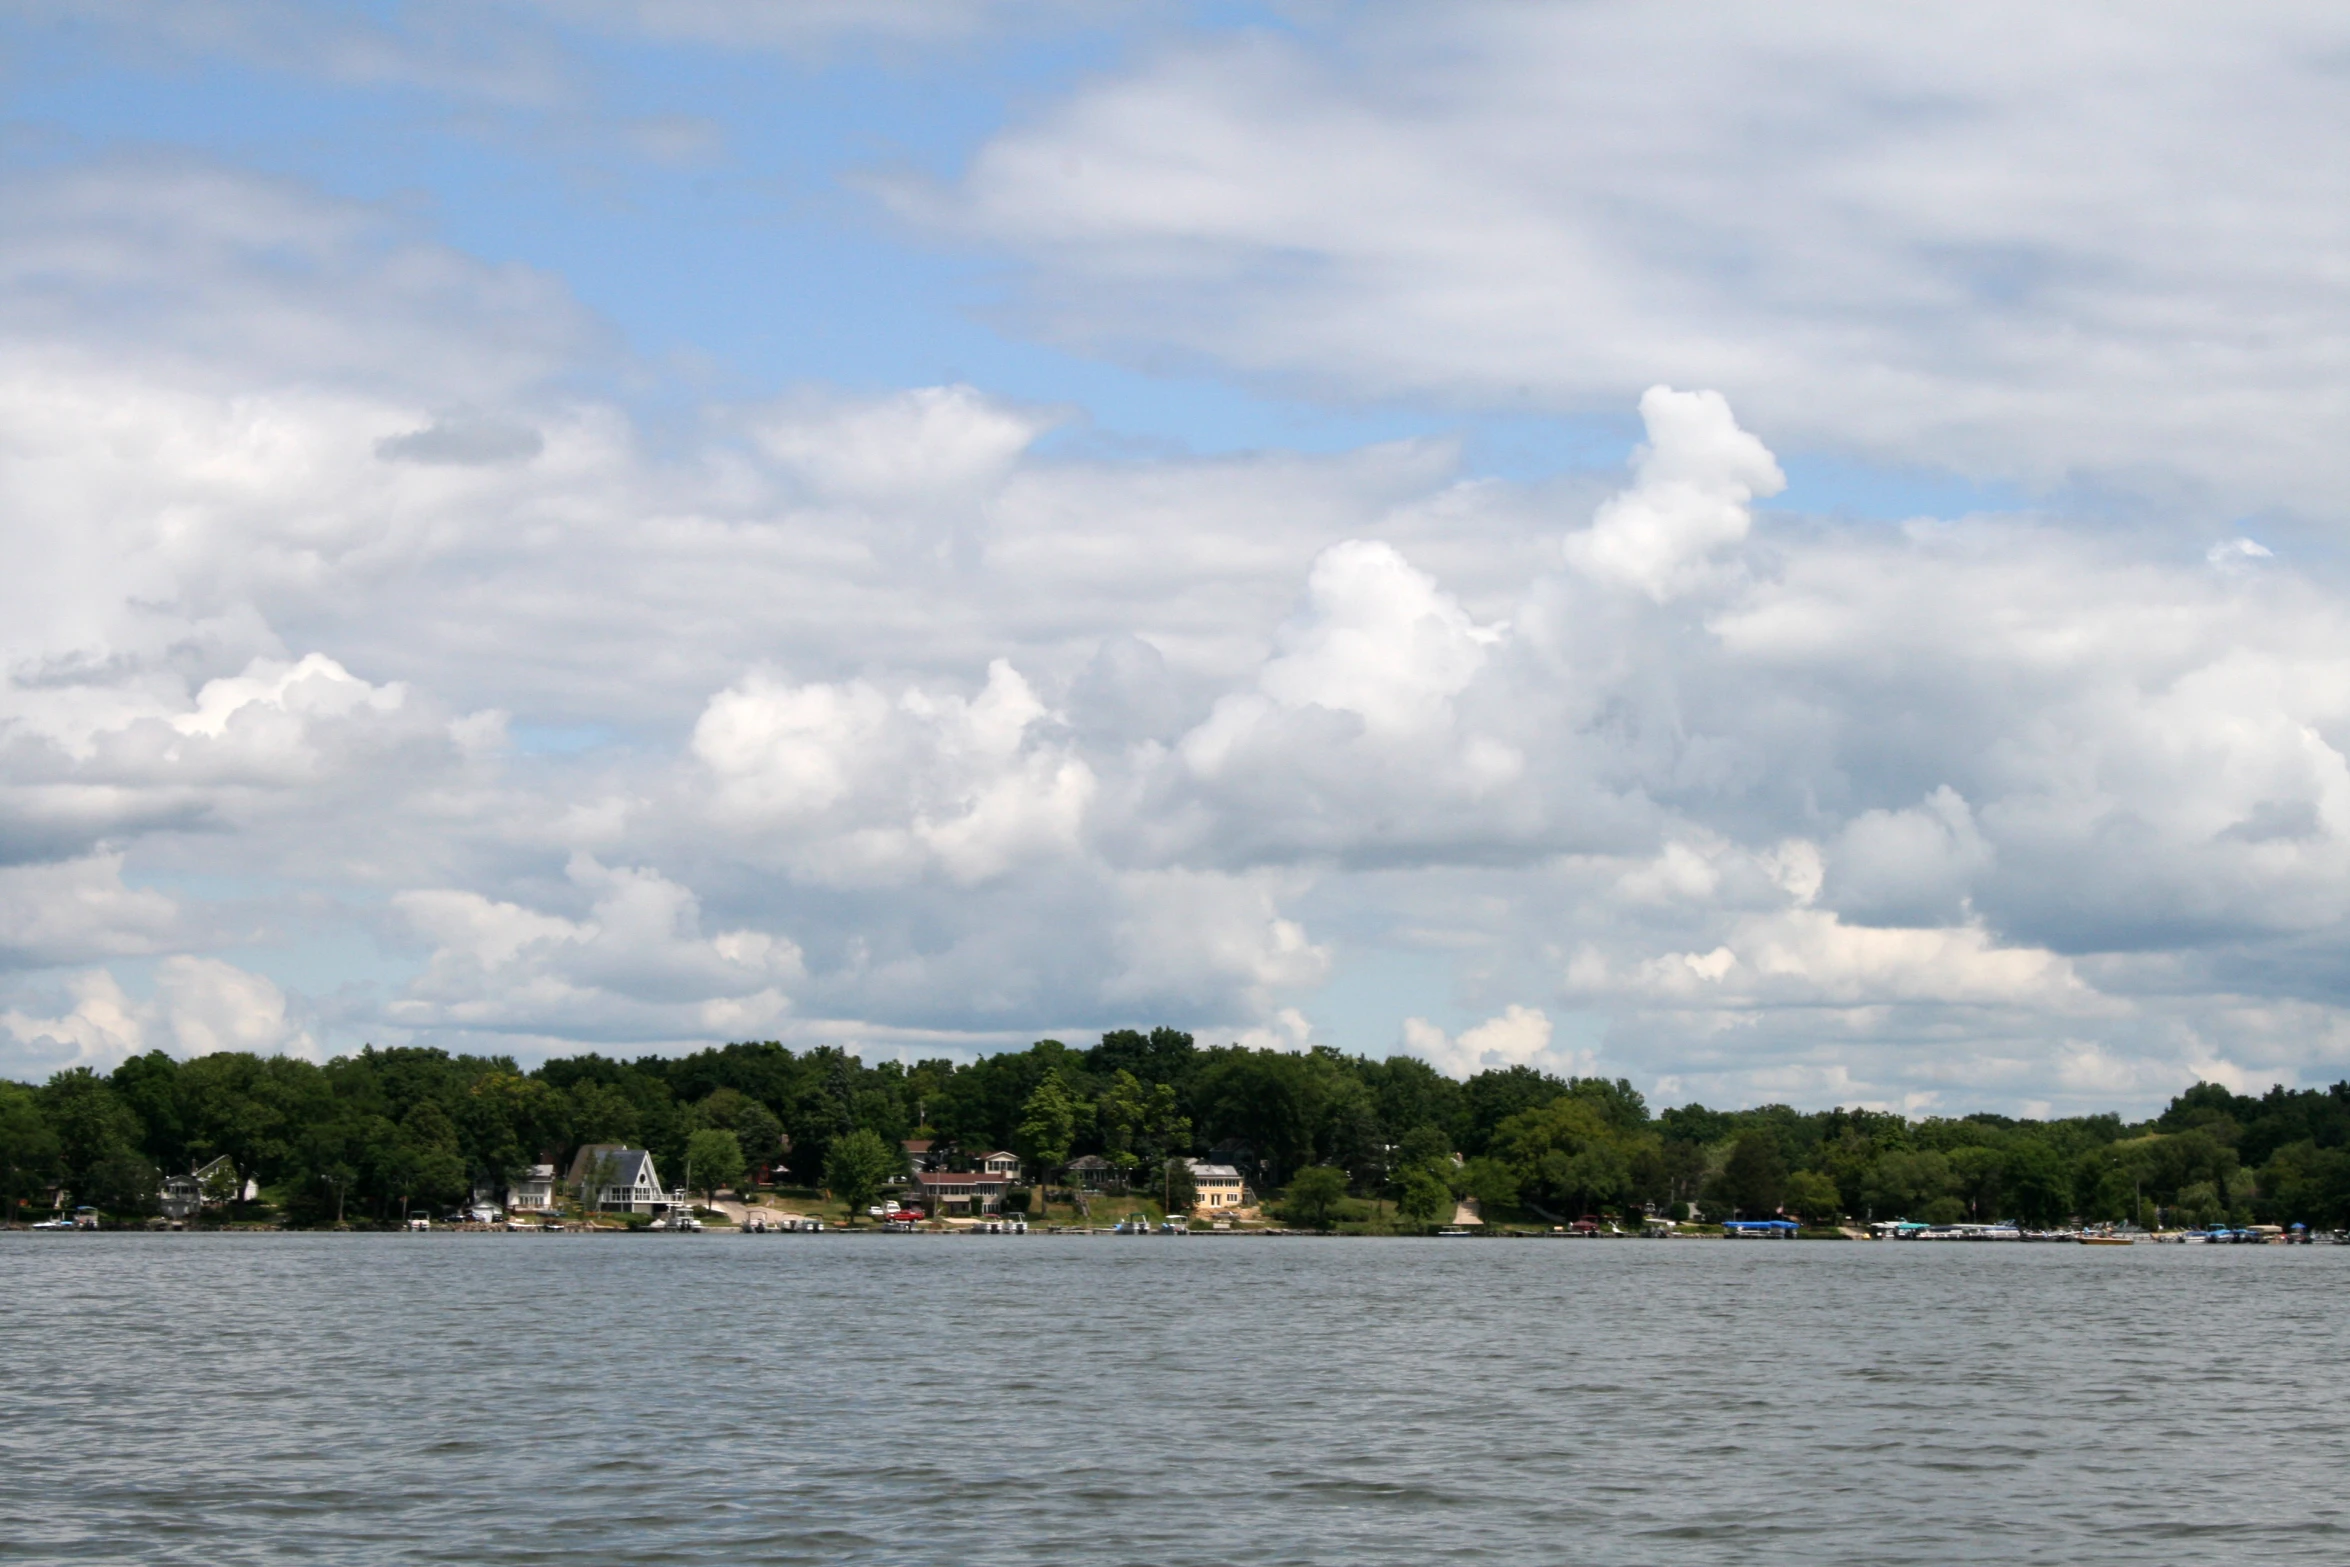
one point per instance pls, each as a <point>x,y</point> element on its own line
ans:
<point>726,1399</point>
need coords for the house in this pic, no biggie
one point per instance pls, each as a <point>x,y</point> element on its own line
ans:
<point>534,1190</point>
<point>1093,1173</point>
<point>1219,1185</point>
<point>1001,1163</point>
<point>182,1197</point>
<point>961,1191</point>
<point>922,1154</point>
<point>210,1185</point>
<point>627,1180</point>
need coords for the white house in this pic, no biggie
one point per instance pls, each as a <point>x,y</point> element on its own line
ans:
<point>628,1181</point>
<point>1001,1163</point>
<point>532,1191</point>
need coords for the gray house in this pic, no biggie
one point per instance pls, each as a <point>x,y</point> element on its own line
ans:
<point>624,1179</point>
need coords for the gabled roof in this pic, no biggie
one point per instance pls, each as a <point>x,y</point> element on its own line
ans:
<point>1213,1172</point>
<point>1091,1161</point>
<point>630,1166</point>
<point>634,1168</point>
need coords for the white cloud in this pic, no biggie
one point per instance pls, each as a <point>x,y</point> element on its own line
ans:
<point>198,1006</point>
<point>1518,1036</point>
<point>855,787</point>
<point>876,716</point>
<point>78,911</point>
<point>2021,241</point>
<point>637,966</point>
<point>1691,485</point>
<point>1192,941</point>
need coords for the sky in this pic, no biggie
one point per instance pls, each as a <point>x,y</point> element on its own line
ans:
<point>1786,554</point>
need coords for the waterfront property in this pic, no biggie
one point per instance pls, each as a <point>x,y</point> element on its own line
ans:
<point>1091,1173</point>
<point>1001,1163</point>
<point>1219,1185</point>
<point>534,1190</point>
<point>182,1198</point>
<point>962,1191</point>
<point>622,1177</point>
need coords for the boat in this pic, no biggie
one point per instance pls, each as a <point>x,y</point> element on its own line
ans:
<point>1452,1229</point>
<point>1132,1224</point>
<point>2108,1240</point>
<point>54,1224</point>
<point>1174,1227</point>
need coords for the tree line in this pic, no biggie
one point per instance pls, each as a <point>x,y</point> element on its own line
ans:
<point>365,1137</point>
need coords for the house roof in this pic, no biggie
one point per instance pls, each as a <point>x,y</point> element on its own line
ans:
<point>918,1145</point>
<point>1092,1161</point>
<point>961,1178</point>
<point>630,1166</point>
<point>1000,1153</point>
<point>1213,1172</point>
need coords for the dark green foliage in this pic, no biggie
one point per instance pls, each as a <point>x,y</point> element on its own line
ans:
<point>1313,1197</point>
<point>1753,1175</point>
<point>1164,1055</point>
<point>713,1158</point>
<point>29,1150</point>
<point>365,1136</point>
<point>1177,1191</point>
<point>1490,1098</point>
<point>100,1157</point>
<point>855,1167</point>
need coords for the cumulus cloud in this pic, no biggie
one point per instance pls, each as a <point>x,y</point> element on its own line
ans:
<point>1692,482</point>
<point>78,911</point>
<point>198,1006</point>
<point>1519,1036</point>
<point>878,716</point>
<point>636,965</point>
<point>857,787</point>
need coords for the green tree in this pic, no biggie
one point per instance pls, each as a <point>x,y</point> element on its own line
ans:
<point>2037,1191</point>
<point>854,1168</point>
<point>1903,1182</point>
<point>222,1185</point>
<point>422,1164</point>
<point>1179,1191</point>
<point>1425,1197</point>
<point>1491,1183</point>
<point>28,1148</point>
<point>1048,1126</point>
<point>714,1158</point>
<point>97,1136</point>
<point>1813,1198</point>
<point>1313,1197</point>
<point>1752,1179</point>
<point>755,1127</point>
